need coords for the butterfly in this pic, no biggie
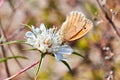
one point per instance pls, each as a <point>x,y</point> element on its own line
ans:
<point>75,26</point>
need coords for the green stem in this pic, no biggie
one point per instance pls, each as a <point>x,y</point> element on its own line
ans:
<point>67,65</point>
<point>79,55</point>
<point>40,63</point>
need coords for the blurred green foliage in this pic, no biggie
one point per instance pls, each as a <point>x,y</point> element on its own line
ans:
<point>91,8</point>
<point>83,44</point>
<point>44,75</point>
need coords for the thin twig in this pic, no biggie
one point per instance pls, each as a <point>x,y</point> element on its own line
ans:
<point>15,33</point>
<point>22,71</point>
<point>11,17</point>
<point>109,19</point>
<point>6,39</point>
<point>4,53</point>
<point>6,65</point>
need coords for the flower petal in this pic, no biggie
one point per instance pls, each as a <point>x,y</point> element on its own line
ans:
<point>29,34</point>
<point>65,49</point>
<point>35,30</point>
<point>42,27</point>
<point>30,41</point>
<point>59,56</point>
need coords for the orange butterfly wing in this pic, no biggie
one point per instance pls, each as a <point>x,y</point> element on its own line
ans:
<point>87,26</point>
<point>72,25</point>
<point>75,26</point>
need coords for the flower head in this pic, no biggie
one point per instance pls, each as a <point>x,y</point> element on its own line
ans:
<point>48,41</point>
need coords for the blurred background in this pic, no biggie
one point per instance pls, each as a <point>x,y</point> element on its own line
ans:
<point>101,46</point>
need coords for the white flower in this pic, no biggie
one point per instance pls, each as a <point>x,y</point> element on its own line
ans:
<point>48,41</point>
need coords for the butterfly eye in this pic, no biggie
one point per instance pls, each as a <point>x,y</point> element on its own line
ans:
<point>84,28</point>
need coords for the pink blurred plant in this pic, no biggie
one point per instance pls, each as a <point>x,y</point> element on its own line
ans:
<point>1,2</point>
